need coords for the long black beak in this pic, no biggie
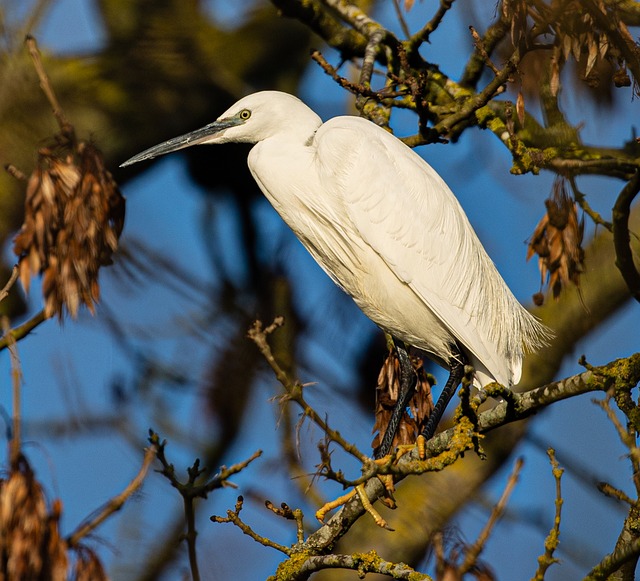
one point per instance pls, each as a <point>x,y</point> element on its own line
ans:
<point>188,139</point>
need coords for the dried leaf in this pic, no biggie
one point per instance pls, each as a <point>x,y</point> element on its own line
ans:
<point>557,240</point>
<point>591,58</point>
<point>74,214</point>
<point>419,408</point>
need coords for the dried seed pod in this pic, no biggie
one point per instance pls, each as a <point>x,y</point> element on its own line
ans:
<point>557,240</point>
<point>74,214</point>
<point>30,542</point>
<point>419,408</point>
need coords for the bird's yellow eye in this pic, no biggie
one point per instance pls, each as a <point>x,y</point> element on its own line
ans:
<point>245,114</point>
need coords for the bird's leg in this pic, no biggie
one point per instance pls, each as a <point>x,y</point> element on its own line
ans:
<point>407,385</point>
<point>456,373</point>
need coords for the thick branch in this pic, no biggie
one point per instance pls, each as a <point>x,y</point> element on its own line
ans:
<point>621,238</point>
<point>361,562</point>
<point>519,407</point>
<point>349,42</point>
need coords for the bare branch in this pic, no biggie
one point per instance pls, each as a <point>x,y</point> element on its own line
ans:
<point>621,237</point>
<point>12,279</point>
<point>423,35</point>
<point>23,330</point>
<point>473,552</point>
<point>45,84</point>
<point>551,542</point>
<point>16,382</point>
<point>116,503</point>
<point>295,389</point>
<point>233,516</point>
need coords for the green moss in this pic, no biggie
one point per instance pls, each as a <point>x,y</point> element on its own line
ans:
<point>290,568</point>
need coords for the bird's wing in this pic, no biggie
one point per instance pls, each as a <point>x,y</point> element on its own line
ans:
<point>407,214</point>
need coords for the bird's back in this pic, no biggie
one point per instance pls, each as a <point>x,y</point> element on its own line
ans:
<point>384,225</point>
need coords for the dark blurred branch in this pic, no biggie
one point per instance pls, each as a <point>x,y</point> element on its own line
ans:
<point>615,31</point>
<point>621,237</point>
<point>313,14</point>
<point>15,453</point>
<point>45,85</point>
<point>473,552</point>
<point>116,503</point>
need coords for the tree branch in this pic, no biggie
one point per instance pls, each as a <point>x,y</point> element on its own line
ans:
<point>23,330</point>
<point>116,503</point>
<point>621,237</point>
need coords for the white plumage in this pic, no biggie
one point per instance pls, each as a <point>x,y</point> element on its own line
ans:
<point>384,226</point>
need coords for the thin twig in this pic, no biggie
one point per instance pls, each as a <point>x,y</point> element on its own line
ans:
<point>492,37</point>
<point>45,84</point>
<point>479,44</point>
<point>495,86</point>
<point>116,503</point>
<point>190,536</point>
<point>16,382</point>
<point>191,490</point>
<point>426,31</point>
<point>581,199</point>
<point>551,542</point>
<point>233,516</point>
<point>294,389</point>
<point>401,19</point>
<point>355,88</point>
<point>615,493</point>
<point>15,172</point>
<point>23,330</point>
<point>12,279</point>
<point>473,552</point>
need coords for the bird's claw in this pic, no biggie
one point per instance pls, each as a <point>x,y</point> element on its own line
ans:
<point>366,504</point>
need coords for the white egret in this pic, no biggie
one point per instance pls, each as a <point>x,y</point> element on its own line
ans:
<point>388,230</point>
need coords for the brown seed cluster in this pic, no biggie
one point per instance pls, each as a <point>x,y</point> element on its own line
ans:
<point>420,405</point>
<point>557,240</point>
<point>74,214</point>
<point>30,543</point>
<point>593,34</point>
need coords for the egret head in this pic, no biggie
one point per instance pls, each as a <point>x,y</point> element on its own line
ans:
<point>252,119</point>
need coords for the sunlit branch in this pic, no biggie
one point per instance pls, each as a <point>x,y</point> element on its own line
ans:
<point>553,538</point>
